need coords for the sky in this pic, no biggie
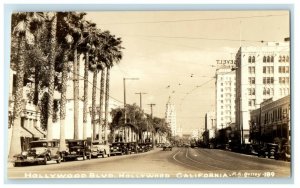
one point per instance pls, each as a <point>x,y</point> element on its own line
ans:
<point>174,53</point>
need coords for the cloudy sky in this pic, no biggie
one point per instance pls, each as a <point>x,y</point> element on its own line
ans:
<point>174,53</point>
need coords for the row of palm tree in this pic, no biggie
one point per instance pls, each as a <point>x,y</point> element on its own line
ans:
<point>43,44</point>
<point>137,123</point>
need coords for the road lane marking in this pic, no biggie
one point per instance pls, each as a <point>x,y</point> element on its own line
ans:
<point>186,155</point>
<point>174,157</point>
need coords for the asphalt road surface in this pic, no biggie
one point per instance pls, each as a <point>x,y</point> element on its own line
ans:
<point>178,163</point>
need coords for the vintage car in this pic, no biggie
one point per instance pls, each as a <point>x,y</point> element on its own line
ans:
<point>76,149</point>
<point>272,150</point>
<point>167,146</point>
<point>39,152</point>
<point>100,149</point>
<point>132,147</point>
<point>284,153</point>
<point>117,148</point>
<point>269,150</point>
<point>141,148</point>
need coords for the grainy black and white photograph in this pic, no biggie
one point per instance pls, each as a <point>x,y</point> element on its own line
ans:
<point>150,94</point>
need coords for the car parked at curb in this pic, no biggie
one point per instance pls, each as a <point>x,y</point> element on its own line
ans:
<point>117,148</point>
<point>39,152</point>
<point>99,149</point>
<point>76,149</point>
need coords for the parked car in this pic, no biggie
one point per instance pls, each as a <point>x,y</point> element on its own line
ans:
<point>100,149</point>
<point>117,148</point>
<point>141,147</point>
<point>132,147</point>
<point>39,152</point>
<point>272,150</point>
<point>285,153</point>
<point>149,146</point>
<point>167,146</point>
<point>75,149</point>
<point>269,150</point>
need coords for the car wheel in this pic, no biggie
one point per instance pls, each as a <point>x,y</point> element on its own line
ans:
<point>45,160</point>
<point>58,160</point>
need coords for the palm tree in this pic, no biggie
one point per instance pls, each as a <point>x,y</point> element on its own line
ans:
<point>52,56</point>
<point>101,102</point>
<point>65,41</point>
<point>76,26</point>
<point>21,30</point>
<point>89,31</point>
<point>113,54</point>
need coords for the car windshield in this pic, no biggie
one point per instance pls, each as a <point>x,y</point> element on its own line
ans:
<point>77,143</point>
<point>38,144</point>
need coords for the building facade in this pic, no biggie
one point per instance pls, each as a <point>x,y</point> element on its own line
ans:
<point>271,122</point>
<point>225,86</point>
<point>30,115</point>
<point>171,117</point>
<point>210,127</point>
<point>261,73</point>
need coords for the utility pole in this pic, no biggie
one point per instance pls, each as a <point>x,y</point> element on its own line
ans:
<point>140,93</point>
<point>124,85</point>
<point>151,106</point>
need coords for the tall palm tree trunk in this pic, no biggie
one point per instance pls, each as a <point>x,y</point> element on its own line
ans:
<point>106,102</point>
<point>94,102</point>
<point>15,146</point>
<point>76,94</point>
<point>51,77</point>
<point>101,103</point>
<point>85,94</point>
<point>63,100</point>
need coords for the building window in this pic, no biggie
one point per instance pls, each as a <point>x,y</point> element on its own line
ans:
<point>272,58</point>
<point>251,80</point>
<point>287,58</point>
<point>264,59</point>
<point>251,70</point>
<point>283,59</point>
<point>249,59</point>
<point>284,80</point>
<point>279,60</point>
<point>268,59</point>
<point>253,59</point>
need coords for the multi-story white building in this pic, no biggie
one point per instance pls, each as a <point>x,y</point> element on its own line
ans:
<point>171,116</point>
<point>261,73</point>
<point>210,126</point>
<point>225,86</point>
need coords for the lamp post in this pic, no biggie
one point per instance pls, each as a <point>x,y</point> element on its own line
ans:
<point>124,86</point>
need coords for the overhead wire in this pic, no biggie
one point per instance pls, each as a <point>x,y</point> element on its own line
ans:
<point>196,19</point>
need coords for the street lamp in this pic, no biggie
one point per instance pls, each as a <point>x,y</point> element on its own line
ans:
<point>124,86</point>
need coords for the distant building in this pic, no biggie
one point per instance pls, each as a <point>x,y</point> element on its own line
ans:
<point>171,117</point>
<point>262,73</point>
<point>225,93</point>
<point>210,126</point>
<point>271,122</point>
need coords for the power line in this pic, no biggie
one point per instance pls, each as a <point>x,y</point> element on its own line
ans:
<point>197,38</point>
<point>96,87</point>
<point>195,20</point>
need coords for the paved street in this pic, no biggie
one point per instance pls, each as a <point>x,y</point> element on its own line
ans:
<point>180,163</point>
